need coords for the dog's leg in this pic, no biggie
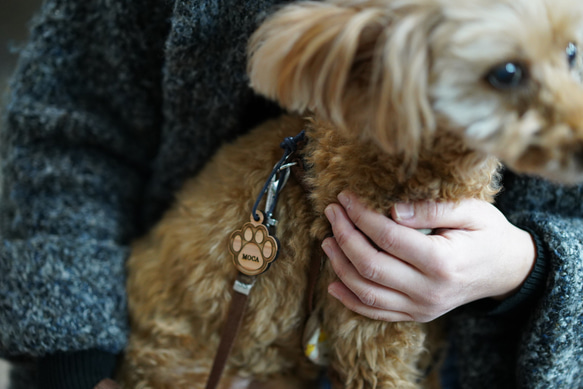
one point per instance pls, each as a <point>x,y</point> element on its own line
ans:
<point>161,358</point>
<point>370,354</point>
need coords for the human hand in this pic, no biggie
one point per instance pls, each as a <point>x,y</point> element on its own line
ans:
<point>390,271</point>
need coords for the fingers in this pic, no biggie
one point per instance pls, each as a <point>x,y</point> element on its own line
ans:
<point>389,271</point>
<point>353,243</point>
<point>367,291</point>
<point>387,235</point>
<point>465,214</point>
<point>352,302</point>
<point>377,301</point>
<point>378,266</point>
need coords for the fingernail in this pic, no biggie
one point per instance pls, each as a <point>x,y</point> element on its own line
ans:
<point>329,211</point>
<point>344,199</point>
<point>326,245</point>
<point>333,292</point>
<point>404,211</point>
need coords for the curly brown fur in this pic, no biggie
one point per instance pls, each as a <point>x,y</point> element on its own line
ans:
<point>396,104</point>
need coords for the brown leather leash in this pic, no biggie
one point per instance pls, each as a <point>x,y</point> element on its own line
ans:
<point>250,261</point>
<point>241,288</point>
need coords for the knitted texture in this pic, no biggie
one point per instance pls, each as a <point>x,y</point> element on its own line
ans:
<point>114,104</point>
<point>108,112</point>
<point>551,343</point>
<point>538,344</point>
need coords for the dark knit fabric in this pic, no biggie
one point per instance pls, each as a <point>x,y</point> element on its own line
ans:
<point>550,346</point>
<point>111,107</point>
<point>80,369</point>
<point>535,339</point>
<point>115,103</point>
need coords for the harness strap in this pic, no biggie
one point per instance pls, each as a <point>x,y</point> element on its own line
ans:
<point>313,275</point>
<point>298,171</point>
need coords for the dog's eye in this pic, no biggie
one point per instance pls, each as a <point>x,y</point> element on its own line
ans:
<point>507,75</point>
<point>571,51</point>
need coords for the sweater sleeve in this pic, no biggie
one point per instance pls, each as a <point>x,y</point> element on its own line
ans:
<point>539,342</point>
<point>552,340</point>
<point>80,126</point>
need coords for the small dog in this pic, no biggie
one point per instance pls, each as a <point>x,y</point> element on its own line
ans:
<point>401,100</point>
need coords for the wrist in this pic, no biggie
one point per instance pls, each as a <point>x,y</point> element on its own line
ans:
<point>523,257</point>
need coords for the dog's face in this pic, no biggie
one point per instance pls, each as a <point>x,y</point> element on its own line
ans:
<point>504,74</point>
<point>507,74</point>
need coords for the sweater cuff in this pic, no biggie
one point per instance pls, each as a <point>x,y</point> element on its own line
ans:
<point>75,370</point>
<point>533,286</point>
<point>529,292</point>
<point>531,289</point>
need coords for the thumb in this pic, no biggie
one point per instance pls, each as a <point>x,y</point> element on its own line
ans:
<point>464,214</point>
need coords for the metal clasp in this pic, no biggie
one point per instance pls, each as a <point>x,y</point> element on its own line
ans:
<point>243,287</point>
<point>277,183</point>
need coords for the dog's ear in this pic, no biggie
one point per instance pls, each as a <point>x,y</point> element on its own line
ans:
<point>360,64</point>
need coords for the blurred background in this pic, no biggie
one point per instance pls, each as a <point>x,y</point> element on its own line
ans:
<point>14,17</point>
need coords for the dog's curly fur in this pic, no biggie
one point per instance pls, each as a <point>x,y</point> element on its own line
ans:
<point>401,102</point>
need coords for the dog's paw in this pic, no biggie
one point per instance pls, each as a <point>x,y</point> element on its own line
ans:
<point>252,247</point>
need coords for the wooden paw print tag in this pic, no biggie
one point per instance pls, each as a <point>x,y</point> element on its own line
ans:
<point>252,247</point>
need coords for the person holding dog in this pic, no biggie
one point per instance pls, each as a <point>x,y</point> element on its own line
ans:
<point>112,107</point>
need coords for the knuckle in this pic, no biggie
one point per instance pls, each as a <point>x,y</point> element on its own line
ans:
<point>418,316</point>
<point>436,309</point>
<point>434,211</point>
<point>408,316</point>
<point>426,297</point>
<point>343,237</point>
<point>387,240</point>
<point>430,300</point>
<point>368,297</point>
<point>368,269</point>
<point>355,215</point>
<point>441,269</point>
<point>432,306</point>
<point>340,271</point>
<point>424,317</point>
<point>350,305</point>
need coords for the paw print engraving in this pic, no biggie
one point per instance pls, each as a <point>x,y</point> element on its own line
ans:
<point>252,247</point>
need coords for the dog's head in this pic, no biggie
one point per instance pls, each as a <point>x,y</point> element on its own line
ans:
<point>504,74</point>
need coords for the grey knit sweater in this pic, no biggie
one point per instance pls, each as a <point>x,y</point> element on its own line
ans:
<point>115,103</point>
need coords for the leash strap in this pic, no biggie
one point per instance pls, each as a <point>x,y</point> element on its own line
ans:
<point>242,286</point>
<point>245,282</point>
<point>313,275</point>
